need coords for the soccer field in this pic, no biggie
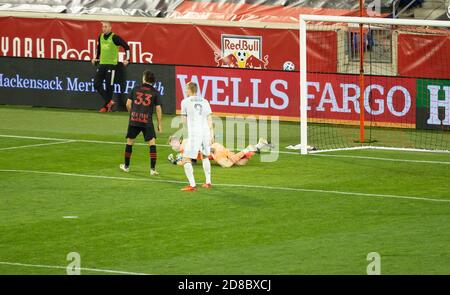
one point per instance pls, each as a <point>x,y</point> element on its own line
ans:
<point>315,214</point>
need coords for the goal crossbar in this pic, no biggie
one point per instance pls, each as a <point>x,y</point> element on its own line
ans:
<point>304,18</point>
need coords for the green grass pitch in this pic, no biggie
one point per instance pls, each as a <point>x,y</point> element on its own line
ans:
<point>339,208</point>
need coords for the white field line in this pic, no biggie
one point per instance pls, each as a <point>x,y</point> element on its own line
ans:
<point>408,150</point>
<point>71,139</point>
<point>381,159</point>
<point>101,141</point>
<point>75,268</point>
<point>371,147</point>
<point>340,149</point>
<point>315,153</point>
<point>35,145</point>
<point>280,188</point>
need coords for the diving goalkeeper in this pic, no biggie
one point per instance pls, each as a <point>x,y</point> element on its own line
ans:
<point>220,154</point>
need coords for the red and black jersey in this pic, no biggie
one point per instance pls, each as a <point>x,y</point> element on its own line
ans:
<point>144,98</point>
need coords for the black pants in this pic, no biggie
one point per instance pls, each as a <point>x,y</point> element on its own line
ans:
<point>120,79</point>
<point>148,132</point>
<point>106,73</point>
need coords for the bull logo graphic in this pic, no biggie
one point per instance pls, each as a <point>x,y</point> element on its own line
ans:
<point>241,52</point>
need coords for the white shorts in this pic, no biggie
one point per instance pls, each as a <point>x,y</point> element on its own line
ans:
<point>194,145</point>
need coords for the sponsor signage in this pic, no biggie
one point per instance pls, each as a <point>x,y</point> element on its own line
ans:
<point>433,104</point>
<point>332,98</point>
<point>70,84</point>
<point>242,52</point>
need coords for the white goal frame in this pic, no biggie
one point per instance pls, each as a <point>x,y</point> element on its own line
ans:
<point>303,62</point>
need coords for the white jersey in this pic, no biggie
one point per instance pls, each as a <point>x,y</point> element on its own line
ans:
<point>196,109</point>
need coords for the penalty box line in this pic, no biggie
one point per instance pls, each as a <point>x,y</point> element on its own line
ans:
<point>68,140</point>
<point>98,141</point>
<point>381,159</point>
<point>36,145</point>
<point>280,188</point>
<point>71,140</point>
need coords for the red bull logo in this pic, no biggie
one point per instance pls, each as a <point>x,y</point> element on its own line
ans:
<point>241,52</point>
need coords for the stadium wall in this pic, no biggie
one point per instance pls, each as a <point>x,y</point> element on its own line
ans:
<point>254,45</point>
<point>47,47</point>
<point>332,97</point>
<point>70,84</point>
<point>204,43</point>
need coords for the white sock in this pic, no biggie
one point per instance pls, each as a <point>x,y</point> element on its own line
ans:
<point>189,171</point>
<point>207,168</point>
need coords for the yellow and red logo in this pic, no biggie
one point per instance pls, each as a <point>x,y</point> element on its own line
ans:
<point>241,52</point>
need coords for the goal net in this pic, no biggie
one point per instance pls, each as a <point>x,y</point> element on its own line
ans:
<point>374,83</point>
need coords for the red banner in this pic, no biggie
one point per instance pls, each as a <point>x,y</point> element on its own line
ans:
<point>177,44</point>
<point>211,46</point>
<point>332,97</point>
<point>424,56</point>
<point>201,45</point>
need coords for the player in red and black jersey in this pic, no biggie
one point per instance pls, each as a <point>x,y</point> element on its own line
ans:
<point>143,99</point>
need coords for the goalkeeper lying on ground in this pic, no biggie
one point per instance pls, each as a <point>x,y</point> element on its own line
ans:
<point>220,154</point>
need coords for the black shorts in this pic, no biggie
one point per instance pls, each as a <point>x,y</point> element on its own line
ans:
<point>148,132</point>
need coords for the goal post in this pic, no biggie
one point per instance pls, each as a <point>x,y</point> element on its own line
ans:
<point>383,72</point>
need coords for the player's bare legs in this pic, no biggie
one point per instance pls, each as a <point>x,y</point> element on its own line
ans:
<point>243,156</point>
<point>189,171</point>
<point>153,156</point>
<point>128,151</point>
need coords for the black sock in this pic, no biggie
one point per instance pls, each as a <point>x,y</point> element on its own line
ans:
<point>128,151</point>
<point>152,157</point>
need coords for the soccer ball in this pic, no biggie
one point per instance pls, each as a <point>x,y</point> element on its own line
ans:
<point>288,66</point>
<point>448,11</point>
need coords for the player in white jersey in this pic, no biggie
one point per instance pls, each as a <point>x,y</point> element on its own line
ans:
<point>196,113</point>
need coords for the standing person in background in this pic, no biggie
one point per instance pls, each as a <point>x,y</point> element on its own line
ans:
<point>107,56</point>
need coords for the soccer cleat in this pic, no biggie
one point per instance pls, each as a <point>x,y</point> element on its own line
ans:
<point>109,105</point>
<point>207,185</point>
<point>263,141</point>
<point>153,172</point>
<point>189,188</point>
<point>124,168</point>
<point>103,110</point>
